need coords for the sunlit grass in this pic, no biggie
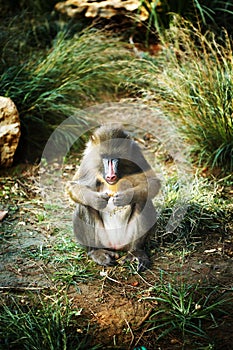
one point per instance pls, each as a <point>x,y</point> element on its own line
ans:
<point>192,82</point>
<point>75,71</point>
<point>48,325</point>
<point>189,210</point>
<point>188,309</point>
<point>197,92</point>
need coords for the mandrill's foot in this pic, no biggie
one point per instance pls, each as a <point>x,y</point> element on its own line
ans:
<point>140,257</point>
<point>103,257</point>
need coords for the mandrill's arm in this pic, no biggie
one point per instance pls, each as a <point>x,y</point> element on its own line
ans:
<point>85,195</point>
<point>137,188</point>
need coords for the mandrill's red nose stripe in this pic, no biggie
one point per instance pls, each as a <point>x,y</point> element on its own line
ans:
<point>111,176</point>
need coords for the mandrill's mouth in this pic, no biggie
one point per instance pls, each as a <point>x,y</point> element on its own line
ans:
<point>111,182</point>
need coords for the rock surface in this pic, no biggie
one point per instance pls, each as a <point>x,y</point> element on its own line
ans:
<point>9,131</point>
<point>104,9</point>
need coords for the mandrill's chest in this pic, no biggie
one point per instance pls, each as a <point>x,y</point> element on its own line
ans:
<point>115,222</point>
<point>114,216</point>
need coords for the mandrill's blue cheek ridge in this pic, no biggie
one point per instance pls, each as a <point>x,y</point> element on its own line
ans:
<point>105,163</point>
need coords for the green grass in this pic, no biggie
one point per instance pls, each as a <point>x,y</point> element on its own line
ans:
<point>38,6</point>
<point>191,81</point>
<point>65,259</point>
<point>189,309</point>
<point>208,13</point>
<point>47,325</point>
<point>70,262</point>
<point>189,210</point>
<point>52,84</point>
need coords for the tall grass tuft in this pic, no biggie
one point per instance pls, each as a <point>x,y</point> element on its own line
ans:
<point>195,88</point>
<point>50,86</point>
<point>189,211</point>
<point>47,326</point>
<point>211,13</point>
<point>186,309</point>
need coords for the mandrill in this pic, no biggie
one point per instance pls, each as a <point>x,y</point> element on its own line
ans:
<point>113,189</point>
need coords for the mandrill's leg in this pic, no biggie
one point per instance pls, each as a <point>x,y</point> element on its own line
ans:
<point>143,221</point>
<point>136,252</point>
<point>88,227</point>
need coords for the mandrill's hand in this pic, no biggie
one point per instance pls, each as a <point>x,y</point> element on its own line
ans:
<point>120,199</point>
<point>85,196</point>
<point>97,200</point>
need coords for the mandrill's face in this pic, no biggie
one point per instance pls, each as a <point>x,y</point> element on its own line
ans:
<point>111,173</point>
